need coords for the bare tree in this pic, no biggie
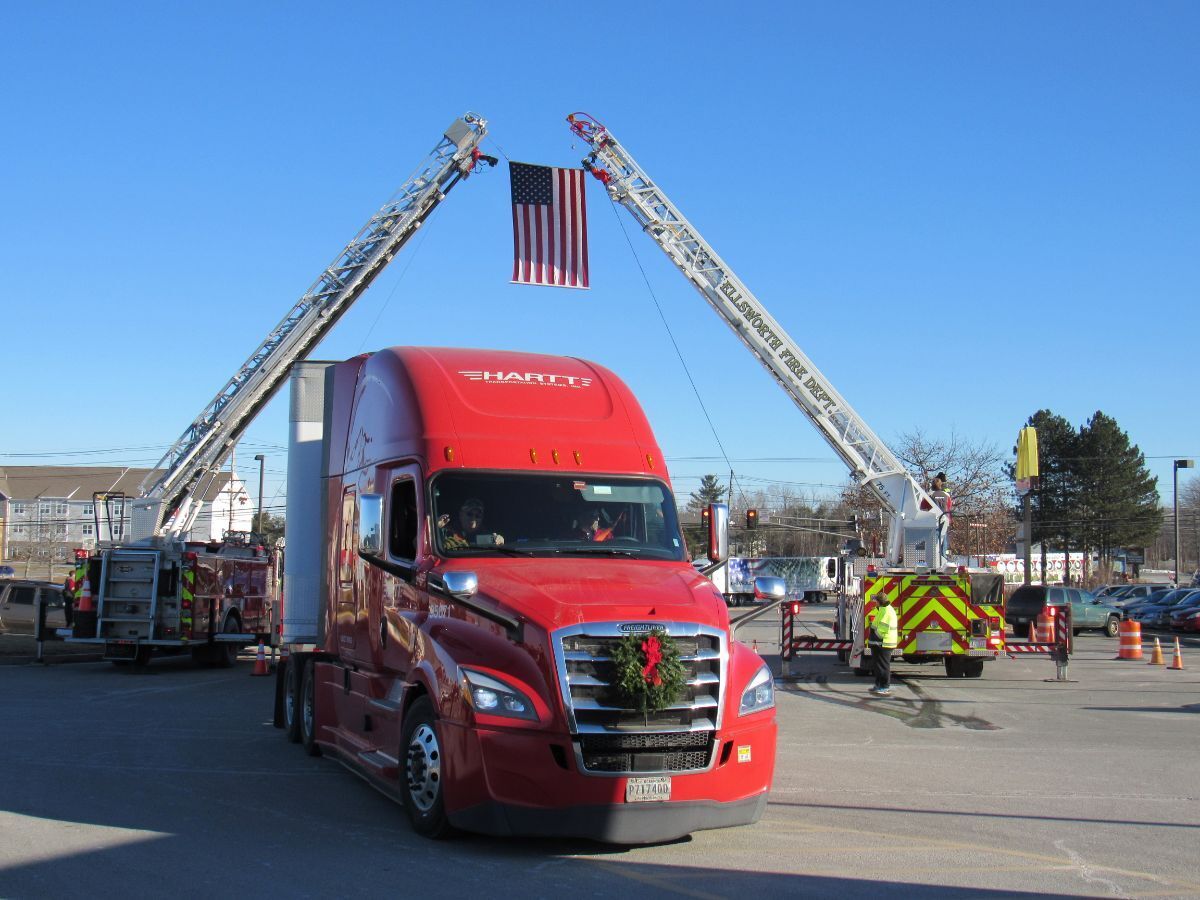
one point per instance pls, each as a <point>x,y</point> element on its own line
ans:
<point>982,520</point>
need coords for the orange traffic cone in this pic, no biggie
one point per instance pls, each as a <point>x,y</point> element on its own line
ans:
<point>754,647</point>
<point>1177,662</point>
<point>1032,633</point>
<point>1156,657</point>
<point>260,662</point>
<point>85,598</point>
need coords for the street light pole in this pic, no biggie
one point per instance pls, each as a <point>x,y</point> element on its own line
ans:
<point>261,459</point>
<point>1179,464</point>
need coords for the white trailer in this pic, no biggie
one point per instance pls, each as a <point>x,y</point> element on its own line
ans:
<point>811,579</point>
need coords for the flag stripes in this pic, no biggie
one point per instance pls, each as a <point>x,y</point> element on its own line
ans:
<point>549,226</point>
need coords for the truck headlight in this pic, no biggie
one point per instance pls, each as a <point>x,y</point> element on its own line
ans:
<point>493,697</point>
<point>759,694</point>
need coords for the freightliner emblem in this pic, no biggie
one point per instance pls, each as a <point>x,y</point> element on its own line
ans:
<point>636,627</point>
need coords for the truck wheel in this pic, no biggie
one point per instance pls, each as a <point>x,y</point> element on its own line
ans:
<point>225,655</point>
<point>1112,626</point>
<point>972,668</point>
<point>292,698</point>
<point>423,773</point>
<point>954,667</point>
<point>308,709</point>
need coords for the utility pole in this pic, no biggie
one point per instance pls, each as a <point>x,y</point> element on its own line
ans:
<point>1179,464</point>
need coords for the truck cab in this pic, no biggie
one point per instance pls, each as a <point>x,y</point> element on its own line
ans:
<point>501,535</point>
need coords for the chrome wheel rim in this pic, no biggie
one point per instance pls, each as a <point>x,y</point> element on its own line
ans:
<point>424,769</point>
<point>308,707</point>
<point>289,697</point>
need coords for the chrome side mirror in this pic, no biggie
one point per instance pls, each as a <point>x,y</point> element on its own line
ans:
<point>370,524</point>
<point>718,533</point>
<point>768,587</point>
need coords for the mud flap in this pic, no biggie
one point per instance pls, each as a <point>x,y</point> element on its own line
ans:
<point>858,636</point>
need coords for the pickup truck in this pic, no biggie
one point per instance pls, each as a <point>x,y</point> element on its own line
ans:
<point>1028,601</point>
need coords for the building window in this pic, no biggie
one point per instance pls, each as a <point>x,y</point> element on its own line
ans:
<point>19,509</point>
<point>60,529</point>
<point>44,510</point>
<point>18,531</point>
<point>118,508</point>
<point>87,530</point>
<point>89,509</point>
<point>61,509</point>
<point>118,530</point>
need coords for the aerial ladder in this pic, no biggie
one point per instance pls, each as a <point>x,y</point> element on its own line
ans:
<point>169,495</point>
<point>158,591</point>
<point>916,545</point>
<point>917,524</point>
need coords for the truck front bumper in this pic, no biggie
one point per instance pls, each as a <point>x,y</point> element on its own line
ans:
<point>517,783</point>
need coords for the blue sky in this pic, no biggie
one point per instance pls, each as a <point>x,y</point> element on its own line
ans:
<point>961,212</point>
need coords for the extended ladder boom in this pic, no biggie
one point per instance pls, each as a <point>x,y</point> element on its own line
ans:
<point>917,522</point>
<point>169,508</point>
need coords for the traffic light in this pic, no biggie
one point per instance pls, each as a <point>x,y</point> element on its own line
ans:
<point>752,518</point>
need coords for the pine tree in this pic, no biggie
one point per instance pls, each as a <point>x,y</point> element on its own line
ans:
<point>710,491</point>
<point>1119,497</point>
<point>1056,498</point>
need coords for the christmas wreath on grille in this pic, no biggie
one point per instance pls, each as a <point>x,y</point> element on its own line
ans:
<point>650,675</point>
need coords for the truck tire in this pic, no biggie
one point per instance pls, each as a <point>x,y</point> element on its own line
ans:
<point>954,667</point>
<point>421,773</point>
<point>972,668</point>
<point>225,655</point>
<point>292,697</point>
<point>308,709</point>
<point>1113,626</point>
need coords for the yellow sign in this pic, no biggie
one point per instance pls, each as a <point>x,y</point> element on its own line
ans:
<point>1027,454</point>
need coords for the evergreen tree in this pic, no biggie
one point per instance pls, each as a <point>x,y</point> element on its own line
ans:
<point>1056,498</point>
<point>710,491</point>
<point>1119,497</point>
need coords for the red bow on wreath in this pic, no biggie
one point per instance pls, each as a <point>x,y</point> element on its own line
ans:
<point>653,650</point>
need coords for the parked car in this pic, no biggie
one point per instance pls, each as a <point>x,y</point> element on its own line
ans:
<point>1029,601</point>
<point>17,598</point>
<point>1158,615</point>
<point>1110,592</point>
<point>8,572</point>
<point>1177,615</point>
<point>1129,607</point>
<point>1192,622</point>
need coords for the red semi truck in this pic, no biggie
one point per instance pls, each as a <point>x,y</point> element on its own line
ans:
<point>491,615</point>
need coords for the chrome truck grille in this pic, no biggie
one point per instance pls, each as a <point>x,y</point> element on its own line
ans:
<point>611,739</point>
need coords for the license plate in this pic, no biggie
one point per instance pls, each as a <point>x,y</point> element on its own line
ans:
<point>978,643</point>
<point>647,790</point>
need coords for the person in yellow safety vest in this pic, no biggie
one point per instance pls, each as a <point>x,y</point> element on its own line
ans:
<point>883,636</point>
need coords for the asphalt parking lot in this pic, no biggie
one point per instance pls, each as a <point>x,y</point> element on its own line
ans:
<point>172,780</point>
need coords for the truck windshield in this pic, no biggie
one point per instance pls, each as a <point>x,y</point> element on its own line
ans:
<point>509,513</point>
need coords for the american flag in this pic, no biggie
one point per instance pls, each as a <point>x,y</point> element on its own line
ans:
<point>549,226</point>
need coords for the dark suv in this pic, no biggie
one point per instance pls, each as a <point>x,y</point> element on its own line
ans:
<point>1028,601</point>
